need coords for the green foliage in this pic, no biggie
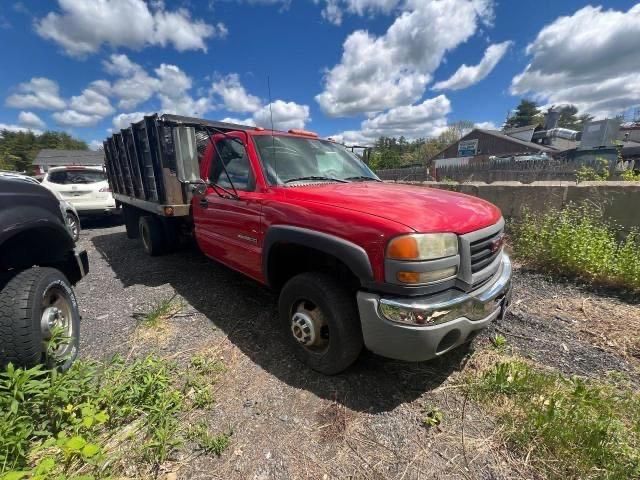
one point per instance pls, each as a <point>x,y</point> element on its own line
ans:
<point>161,311</point>
<point>578,241</point>
<point>499,342</point>
<point>52,424</point>
<point>630,176</point>
<point>391,152</point>
<point>19,149</point>
<point>593,174</point>
<point>208,442</point>
<point>432,416</point>
<point>569,118</point>
<point>526,113</point>
<point>568,428</point>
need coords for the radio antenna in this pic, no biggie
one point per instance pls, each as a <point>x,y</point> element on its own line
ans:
<point>273,138</point>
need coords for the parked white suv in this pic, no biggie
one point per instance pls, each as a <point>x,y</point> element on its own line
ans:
<point>86,188</point>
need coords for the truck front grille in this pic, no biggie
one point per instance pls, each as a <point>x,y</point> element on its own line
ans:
<point>479,254</point>
<point>485,250</point>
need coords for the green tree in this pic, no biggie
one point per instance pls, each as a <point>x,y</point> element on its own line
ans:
<point>527,113</point>
<point>19,149</point>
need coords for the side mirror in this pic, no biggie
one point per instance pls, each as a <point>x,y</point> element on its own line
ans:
<point>187,168</point>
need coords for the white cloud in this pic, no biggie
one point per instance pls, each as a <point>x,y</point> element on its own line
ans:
<point>124,120</point>
<point>96,144</point>
<point>93,100</point>
<point>82,27</point>
<point>426,119</point>
<point>135,85</point>
<point>17,128</point>
<point>466,76</point>
<point>31,120</point>
<point>234,96</point>
<point>246,121</point>
<point>589,59</point>
<point>380,72</point>
<point>334,9</point>
<point>73,118</point>
<point>486,126</point>
<point>286,115</point>
<point>173,89</point>
<point>39,92</point>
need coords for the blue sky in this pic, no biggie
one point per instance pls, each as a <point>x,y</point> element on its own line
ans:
<point>352,69</point>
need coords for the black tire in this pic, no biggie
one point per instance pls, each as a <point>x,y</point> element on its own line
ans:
<point>73,222</point>
<point>131,218</point>
<point>24,301</point>
<point>338,308</point>
<point>152,235</point>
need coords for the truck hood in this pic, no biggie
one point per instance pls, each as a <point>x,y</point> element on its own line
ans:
<point>420,208</point>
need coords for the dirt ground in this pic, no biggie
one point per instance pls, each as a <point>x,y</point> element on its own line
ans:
<point>290,422</point>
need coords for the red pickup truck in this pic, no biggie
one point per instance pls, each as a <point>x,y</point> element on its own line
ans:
<point>408,272</point>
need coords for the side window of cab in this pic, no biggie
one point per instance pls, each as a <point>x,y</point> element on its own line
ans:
<point>232,154</point>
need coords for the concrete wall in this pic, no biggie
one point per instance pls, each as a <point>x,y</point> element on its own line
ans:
<point>620,200</point>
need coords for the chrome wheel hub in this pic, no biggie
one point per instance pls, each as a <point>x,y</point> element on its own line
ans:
<point>52,317</point>
<point>309,327</point>
<point>303,328</point>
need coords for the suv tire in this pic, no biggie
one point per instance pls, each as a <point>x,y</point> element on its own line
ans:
<point>31,303</point>
<point>73,222</point>
<point>152,235</point>
<point>316,302</point>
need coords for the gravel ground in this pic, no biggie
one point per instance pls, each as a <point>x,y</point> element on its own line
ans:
<point>290,422</point>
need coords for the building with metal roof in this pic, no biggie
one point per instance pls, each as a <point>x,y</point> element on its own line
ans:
<point>48,158</point>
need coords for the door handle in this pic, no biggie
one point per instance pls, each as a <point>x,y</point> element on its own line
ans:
<point>204,203</point>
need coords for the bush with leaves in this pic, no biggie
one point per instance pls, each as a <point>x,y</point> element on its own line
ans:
<point>578,241</point>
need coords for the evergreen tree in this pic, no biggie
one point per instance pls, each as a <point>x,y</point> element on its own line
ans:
<point>527,113</point>
<point>19,149</point>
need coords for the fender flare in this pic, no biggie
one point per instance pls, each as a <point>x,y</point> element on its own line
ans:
<point>352,255</point>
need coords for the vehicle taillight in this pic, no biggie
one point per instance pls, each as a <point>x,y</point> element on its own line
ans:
<point>105,189</point>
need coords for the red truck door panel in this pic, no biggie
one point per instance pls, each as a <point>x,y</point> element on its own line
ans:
<point>228,229</point>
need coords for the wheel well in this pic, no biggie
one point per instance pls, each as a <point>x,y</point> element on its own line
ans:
<point>43,246</point>
<point>287,260</point>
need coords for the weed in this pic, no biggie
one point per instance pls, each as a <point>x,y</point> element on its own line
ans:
<point>598,173</point>
<point>578,241</point>
<point>630,175</point>
<point>161,311</point>
<point>499,342</point>
<point>206,441</point>
<point>93,418</point>
<point>569,428</point>
<point>432,417</point>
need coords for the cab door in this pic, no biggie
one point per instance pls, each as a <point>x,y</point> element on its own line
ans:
<point>228,215</point>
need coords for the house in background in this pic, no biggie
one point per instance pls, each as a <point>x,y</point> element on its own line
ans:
<point>58,158</point>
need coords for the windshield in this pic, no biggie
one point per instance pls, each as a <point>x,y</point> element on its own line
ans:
<point>66,177</point>
<point>289,159</point>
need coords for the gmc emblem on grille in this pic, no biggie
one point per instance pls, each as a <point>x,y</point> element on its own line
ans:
<point>496,243</point>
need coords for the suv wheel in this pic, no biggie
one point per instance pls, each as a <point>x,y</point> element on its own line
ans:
<point>73,223</point>
<point>39,320</point>
<point>152,235</point>
<point>321,321</point>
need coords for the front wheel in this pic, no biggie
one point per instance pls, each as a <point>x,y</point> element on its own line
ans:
<point>152,235</point>
<point>39,320</point>
<point>321,322</point>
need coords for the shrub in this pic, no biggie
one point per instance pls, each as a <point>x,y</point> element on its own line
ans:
<point>630,175</point>
<point>599,172</point>
<point>93,418</point>
<point>578,241</point>
<point>568,428</point>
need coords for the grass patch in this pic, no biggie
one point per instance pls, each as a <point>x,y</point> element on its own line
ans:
<point>160,312</point>
<point>94,421</point>
<point>567,428</point>
<point>578,241</point>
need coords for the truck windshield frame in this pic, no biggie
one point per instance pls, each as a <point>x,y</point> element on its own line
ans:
<point>286,159</point>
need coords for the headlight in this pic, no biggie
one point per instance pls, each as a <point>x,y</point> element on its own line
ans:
<point>423,246</point>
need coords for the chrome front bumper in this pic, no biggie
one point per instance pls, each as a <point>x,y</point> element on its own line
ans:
<point>447,320</point>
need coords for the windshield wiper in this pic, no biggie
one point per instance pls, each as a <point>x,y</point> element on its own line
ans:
<point>363,178</point>
<point>315,177</point>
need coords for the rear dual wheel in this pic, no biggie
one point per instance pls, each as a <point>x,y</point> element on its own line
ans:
<point>321,322</point>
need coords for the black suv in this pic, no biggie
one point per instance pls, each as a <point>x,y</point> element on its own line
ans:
<point>38,265</point>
